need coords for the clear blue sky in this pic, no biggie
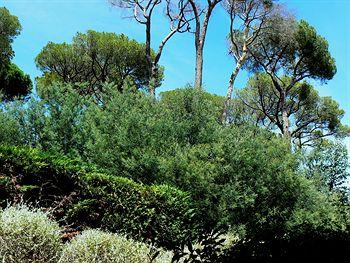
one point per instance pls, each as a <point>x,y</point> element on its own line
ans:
<point>59,20</point>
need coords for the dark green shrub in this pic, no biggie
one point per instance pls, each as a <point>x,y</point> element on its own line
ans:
<point>159,214</point>
<point>83,196</point>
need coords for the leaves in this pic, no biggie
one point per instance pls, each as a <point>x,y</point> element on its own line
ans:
<point>95,58</point>
<point>10,28</point>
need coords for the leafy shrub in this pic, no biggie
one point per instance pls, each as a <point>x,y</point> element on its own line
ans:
<point>36,176</point>
<point>208,249</point>
<point>10,129</point>
<point>28,236</point>
<point>159,214</point>
<point>83,196</point>
<point>98,246</point>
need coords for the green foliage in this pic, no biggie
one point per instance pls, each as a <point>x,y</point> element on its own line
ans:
<point>97,246</point>
<point>28,236</point>
<point>315,49</point>
<point>259,187</point>
<point>10,28</point>
<point>170,170</point>
<point>132,133</point>
<point>92,146</point>
<point>10,130</point>
<point>328,165</point>
<point>310,116</point>
<point>82,196</point>
<point>95,58</point>
<point>292,48</point>
<point>158,214</point>
<point>196,113</point>
<point>14,83</point>
<point>51,124</point>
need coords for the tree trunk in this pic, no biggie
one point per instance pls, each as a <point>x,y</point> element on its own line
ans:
<point>151,88</point>
<point>200,35</point>
<point>153,80</point>
<point>285,121</point>
<point>285,118</point>
<point>199,66</point>
<point>231,86</point>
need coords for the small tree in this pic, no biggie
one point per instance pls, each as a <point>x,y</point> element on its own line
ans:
<point>328,162</point>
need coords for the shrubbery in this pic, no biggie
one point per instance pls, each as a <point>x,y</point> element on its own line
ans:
<point>170,171</point>
<point>28,236</point>
<point>98,246</point>
<point>82,196</point>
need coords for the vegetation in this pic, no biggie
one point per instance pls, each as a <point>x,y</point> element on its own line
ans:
<point>81,196</point>
<point>95,58</point>
<point>187,176</point>
<point>13,82</point>
<point>97,246</point>
<point>10,28</point>
<point>28,236</point>
<point>309,116</point>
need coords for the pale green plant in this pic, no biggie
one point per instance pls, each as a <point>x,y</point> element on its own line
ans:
<point>95,246</point>
<point>28,235</point>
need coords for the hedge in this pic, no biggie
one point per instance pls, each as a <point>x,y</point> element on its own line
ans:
<point>83,196</point>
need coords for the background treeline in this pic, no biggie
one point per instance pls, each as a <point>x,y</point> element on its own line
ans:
<point>187,169</point>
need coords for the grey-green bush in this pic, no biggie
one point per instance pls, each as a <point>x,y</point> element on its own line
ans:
<point>28,236</point>
<point>96,246</point>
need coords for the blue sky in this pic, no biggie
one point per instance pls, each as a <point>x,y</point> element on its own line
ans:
<point>59,20</point>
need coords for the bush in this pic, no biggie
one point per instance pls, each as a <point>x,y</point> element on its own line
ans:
<point>158,214</point>
<point>98,246</point>
<point>28,236</point>
<point>83,196</point>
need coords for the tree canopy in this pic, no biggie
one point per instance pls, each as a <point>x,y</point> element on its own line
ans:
<point>13,81</point>
<point>310,117</point>
<point>290,52</point>
<point>294,48</point>
<point>10,28</point>
<point>95,58</point>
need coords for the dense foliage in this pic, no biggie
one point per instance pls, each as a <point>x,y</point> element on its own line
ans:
<point>13,81</point>
<point>83,197</point>
<point>229,173</point>
<point>199,174</point>
<point>10,27</point>
<point>95,58</point>
<point>29,235</point>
